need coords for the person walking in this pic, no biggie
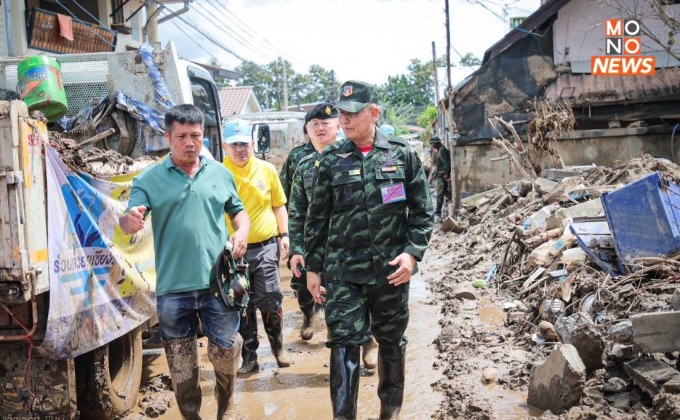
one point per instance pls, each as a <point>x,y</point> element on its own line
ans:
<point>370,220</point>
<point>443,163</point>
<point>260,189</point>
<point>188,197</point>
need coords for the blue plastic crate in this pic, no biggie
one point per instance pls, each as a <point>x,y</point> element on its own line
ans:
<point>644,218</point>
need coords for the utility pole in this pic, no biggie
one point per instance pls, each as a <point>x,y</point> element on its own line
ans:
<point>448,47</point>
<point>436,79</point>
<point>285,85</point>
<point>152,23</point>
<point>455,197</point>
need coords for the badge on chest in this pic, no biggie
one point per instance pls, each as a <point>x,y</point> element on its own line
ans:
<point>393,193</point>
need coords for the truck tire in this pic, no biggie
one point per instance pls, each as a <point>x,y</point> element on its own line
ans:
<point>108,378</point>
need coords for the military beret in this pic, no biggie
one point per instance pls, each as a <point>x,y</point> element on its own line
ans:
<point>435,140</point>
<point>323,111</point>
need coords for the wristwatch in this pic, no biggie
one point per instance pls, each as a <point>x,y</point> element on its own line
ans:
<point>283,235</point>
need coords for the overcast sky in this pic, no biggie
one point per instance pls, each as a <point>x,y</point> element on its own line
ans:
<point>359,39</point>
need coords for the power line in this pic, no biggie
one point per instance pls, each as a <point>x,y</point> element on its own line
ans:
<point>193,25</point>
<point>193,40</point>
<point>249,31</point>
<point>230,33</point>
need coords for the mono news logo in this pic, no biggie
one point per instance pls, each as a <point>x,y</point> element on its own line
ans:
<point>623,48</point>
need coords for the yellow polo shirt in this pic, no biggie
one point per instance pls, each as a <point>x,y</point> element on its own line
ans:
<point>260,190</point>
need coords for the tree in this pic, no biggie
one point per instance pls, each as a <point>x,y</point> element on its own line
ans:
<point>260,78</point>
<point>410,93</point>
<point>470,60</point>
<point>322,85</point>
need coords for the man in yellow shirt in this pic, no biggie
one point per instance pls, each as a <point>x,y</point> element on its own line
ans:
<point>259,187</point>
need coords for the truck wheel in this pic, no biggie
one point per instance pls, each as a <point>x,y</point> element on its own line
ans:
<point>109,377</point>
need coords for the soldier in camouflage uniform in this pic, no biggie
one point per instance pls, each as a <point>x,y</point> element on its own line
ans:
<point>291,163</point>
<point>370,220</point>
<point>322,131</point>
<point>322,125</point>
<point>443,163</point>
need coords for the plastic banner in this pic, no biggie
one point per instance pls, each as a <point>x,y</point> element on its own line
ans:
<point>102,281</point>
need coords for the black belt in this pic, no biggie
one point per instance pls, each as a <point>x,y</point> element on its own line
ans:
<point>261,244</point>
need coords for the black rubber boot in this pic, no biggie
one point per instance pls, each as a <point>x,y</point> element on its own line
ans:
<point>345,381</point>
<point>306,303</point>
<point>225,363</point>
<point>273,326</point>
<point>183,364</point>
<point>391,364</point>
<point>248,331</point>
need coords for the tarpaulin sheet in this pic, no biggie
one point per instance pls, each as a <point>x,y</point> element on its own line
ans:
<point>102,281</point>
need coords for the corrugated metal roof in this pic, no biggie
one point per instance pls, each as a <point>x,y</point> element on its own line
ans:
<point>582,89</point>
<point>535,20</point>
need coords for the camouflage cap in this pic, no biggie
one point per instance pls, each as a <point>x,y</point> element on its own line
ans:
<point>322,111</point>
<point>355,95</point>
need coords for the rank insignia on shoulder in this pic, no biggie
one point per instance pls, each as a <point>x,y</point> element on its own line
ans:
<point>389,169</point>
<point>355,172</point>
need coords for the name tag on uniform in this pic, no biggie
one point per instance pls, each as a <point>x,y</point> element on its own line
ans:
<point>393,193</point>
<point>355,172</point>
<point>389,169</point>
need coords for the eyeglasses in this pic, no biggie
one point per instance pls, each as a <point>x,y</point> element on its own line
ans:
<point>319,123</point>
<point>238,145</point>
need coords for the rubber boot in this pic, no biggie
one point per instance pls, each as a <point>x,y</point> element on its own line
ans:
<point>183,364</point>
<point>225,363</point>
<point>344,382</point>
<point>248,331</point>
<point>391,364</point>
<point>273,326</point>
<point>370,353</point>
<point>308,312</point>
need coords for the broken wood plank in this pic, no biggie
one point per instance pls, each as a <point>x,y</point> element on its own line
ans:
<point>657,332</point>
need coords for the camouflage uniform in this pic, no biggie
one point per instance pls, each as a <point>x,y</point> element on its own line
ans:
<point>291,163</point>
<point>365,212</point>
<point>443,163</point>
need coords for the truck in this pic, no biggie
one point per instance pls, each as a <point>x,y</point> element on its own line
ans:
<point>275,133</point>
<point>99,378</point>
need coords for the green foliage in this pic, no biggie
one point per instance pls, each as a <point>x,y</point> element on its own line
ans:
<point>470,60</point>
<point>427,117</point>
<point>318,85</point>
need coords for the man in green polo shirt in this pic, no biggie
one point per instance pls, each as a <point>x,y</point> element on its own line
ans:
<point>187,197</point>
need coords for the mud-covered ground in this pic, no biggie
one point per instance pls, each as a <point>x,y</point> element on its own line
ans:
<point>301,391</point>
<point>490,338</point>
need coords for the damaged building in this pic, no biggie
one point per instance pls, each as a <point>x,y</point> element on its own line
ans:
<point>548,57</point>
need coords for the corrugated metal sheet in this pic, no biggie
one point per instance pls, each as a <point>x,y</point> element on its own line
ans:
<point>3,32</point>
<point>586,89</point>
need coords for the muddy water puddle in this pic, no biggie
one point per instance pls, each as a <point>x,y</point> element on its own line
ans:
<point>301,391</point>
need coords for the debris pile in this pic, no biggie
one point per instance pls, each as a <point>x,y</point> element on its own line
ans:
<point>578,279</point>
<point>95,161</point>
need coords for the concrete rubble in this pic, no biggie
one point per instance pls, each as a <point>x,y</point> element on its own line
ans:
<point>574,302</point>
<point>557,384</point>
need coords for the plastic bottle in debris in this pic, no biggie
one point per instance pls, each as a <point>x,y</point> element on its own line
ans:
<point>565,241</point>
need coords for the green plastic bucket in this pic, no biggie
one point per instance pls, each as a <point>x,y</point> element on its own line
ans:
<point>41,86</point>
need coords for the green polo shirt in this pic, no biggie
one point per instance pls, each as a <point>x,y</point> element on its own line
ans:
<point>187,220</point>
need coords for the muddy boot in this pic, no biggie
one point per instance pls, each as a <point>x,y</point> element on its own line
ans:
<point>344,381</point>
<point>308,312</point>
<point>248,331</point>
<point>370,353</point>
<point>183,363</point>
<point>391,363</point>
<point>225,363</point>
<point>273,326</point>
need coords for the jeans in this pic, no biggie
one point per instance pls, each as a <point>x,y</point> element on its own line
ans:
<point>178,315</point>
